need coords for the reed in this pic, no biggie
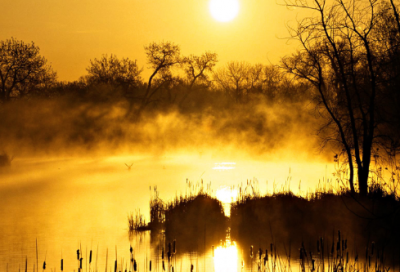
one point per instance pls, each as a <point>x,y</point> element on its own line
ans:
<point>343,258</point>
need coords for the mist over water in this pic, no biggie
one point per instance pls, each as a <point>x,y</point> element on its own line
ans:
<point>70,126</point>
<point>69,184</point>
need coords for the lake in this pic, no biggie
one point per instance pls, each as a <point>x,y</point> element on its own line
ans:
<point>66,204</point>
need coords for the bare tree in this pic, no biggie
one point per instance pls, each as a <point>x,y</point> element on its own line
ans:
<point>161,57</point>
<point>22,69</point>
<point>234,79</point>
<point>111,70</point>
<point>196,69</point>
<point>342,57</point>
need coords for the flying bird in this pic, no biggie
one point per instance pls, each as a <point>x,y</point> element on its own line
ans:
<point>129,166</point>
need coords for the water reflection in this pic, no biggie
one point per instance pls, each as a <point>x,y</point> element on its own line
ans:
<point>224,165</point>
<point>63,203</point>
<point>226,257</point>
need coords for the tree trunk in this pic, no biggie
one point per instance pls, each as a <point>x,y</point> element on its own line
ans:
<point>363,180</point>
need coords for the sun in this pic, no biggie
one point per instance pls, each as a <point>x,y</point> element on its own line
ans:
<point>224,10</point>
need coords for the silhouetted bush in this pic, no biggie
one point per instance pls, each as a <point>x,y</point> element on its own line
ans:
<point>288,219</point>
<point>195,223</point>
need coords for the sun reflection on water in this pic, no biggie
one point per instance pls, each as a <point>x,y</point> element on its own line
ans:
<point>226,257</point>
<point>224,165</point>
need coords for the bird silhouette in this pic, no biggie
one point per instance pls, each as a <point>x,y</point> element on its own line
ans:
<point>129,166</point>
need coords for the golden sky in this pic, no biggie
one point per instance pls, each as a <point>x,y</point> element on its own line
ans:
<point>71,32</point>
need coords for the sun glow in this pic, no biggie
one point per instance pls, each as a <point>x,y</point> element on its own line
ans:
<point>226,258</point>
<point>226,194</point>
<point>224,10</point>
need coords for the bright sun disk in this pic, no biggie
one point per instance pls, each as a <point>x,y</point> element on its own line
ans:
<point>224,10</point>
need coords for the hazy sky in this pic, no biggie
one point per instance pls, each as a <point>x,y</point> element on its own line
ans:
<point>71,32</point>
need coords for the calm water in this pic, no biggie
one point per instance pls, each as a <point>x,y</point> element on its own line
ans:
<point>70,204</point>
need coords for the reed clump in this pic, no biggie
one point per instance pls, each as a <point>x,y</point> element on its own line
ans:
<point>136,221</point>
<point>195,218</point>
<point>199,221</point>
<point>292,219</point>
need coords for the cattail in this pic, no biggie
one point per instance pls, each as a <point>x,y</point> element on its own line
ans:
<point>80,263</point>
<point>174,247</point>
<point>44,265</point>
<point>90,257</point>
<point>191,268</point>
<point>150,266</point>
<point>115,266</point>
<point>172,269</point>
<point>313,265</point>
<point>259,254</point>
<point>134,265</point>
<point>62,264</point>
<point>251,251</point>
<point>130,249</point>
<point>163,266</point>
<point>77,253</point>
<point>162,254</point>
<point>372,248</point>
<point>347,257</point>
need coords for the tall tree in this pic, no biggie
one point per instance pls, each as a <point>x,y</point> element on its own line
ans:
<point>161,57</point>
<point>342,57</point>
<point>22,69</point>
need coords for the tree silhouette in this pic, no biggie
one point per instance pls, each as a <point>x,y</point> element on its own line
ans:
<point>196,69</point>
<point>234,79</point>
<point>344,57</point>
<point>111,70</point>
<point>161,57</point>
<point>22,69</point>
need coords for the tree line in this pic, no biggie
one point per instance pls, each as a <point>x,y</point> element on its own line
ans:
<point>173,77</point>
